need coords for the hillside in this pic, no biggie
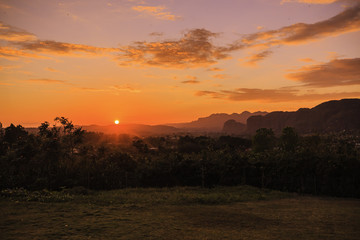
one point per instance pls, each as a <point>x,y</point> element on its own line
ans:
<point>336,115</point>
<point>215,122</point>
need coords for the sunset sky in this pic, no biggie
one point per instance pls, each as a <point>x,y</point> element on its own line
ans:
<point>156,62</point>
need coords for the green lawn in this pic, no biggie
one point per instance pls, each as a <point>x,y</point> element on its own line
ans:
<point>177,213</point>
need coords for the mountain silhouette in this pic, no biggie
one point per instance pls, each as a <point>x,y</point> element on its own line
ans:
<point>215,122</point>
<point>233,127</point>
<point>331,116</point>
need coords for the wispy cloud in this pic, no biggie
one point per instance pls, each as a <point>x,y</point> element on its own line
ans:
<point>24,44</point>
<point>338,72</point>
<point>191,82</point>
<point>310,1</point>
<point>156,34</point>
<point>61,48</point>
<point>254,59</point>
<point>126,87</point>
<point>51,69</point>
<point>110,89</point>
<point>14,34</point>
<point>272,95</point>
<point>89,89</point>
<point>6,84</point>
<point>220,76</point>
<point>9,67</point>
<point>215,69</point>
<point>156,11</point>
<point>306,60</point>
<point>12,53</point>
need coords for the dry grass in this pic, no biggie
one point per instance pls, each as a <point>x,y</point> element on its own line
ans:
<point>179,214</point>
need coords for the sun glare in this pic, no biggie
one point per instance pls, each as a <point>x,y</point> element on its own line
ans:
<point>117,122</point>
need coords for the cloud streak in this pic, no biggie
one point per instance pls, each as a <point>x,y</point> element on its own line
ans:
<point>156,11</point>
<point>24,44</point>
<point>126,88</point>
<point>54,47</point>
<point>254,59</point>
<point>220,76</point>
<point>299,33</point>
<point>215,69</point>
<point>310,1</point>
<point>338,72</point>
<point>51,69</point>
<point>11,53</point>
<point>14,34</point>
<point>191,82</point>
<point>271,95</point>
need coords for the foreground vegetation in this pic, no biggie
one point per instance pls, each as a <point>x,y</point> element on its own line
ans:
<point>175,213</point>
<point>63,156</point>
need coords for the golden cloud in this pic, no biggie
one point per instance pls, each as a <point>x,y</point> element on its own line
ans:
<point>306,60</point>
<point>254,59</point>
<point>310,1</point>
<point>13,34</point>
<point>272,95</point>
<point>24,44</point>
<point>54,47</point>
<point>195,49</point>
<point>220,76</point>
<point>301,33</point>
<point>156,11</point>
<point>9,67</point>
<point>13,53</point>
<point>344,22</point>
<point>338,72</point>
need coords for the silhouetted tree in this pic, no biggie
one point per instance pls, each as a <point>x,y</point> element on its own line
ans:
<point>263,140</point>
<point>289,139</point>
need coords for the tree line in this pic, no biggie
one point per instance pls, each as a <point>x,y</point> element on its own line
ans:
<point>64,156</point>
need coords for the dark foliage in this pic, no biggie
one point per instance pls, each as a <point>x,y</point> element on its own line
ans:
<point>62,155</point>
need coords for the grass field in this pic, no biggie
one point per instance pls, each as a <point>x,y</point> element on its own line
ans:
<point>177,213</point>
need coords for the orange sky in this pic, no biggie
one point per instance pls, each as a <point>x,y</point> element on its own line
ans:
<point>157,62</point>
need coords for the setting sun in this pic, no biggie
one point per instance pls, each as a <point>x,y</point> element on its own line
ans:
<point>117,122</point>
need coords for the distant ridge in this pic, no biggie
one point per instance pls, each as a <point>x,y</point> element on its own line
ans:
<point>215,122</point>
<point>331,116</point>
